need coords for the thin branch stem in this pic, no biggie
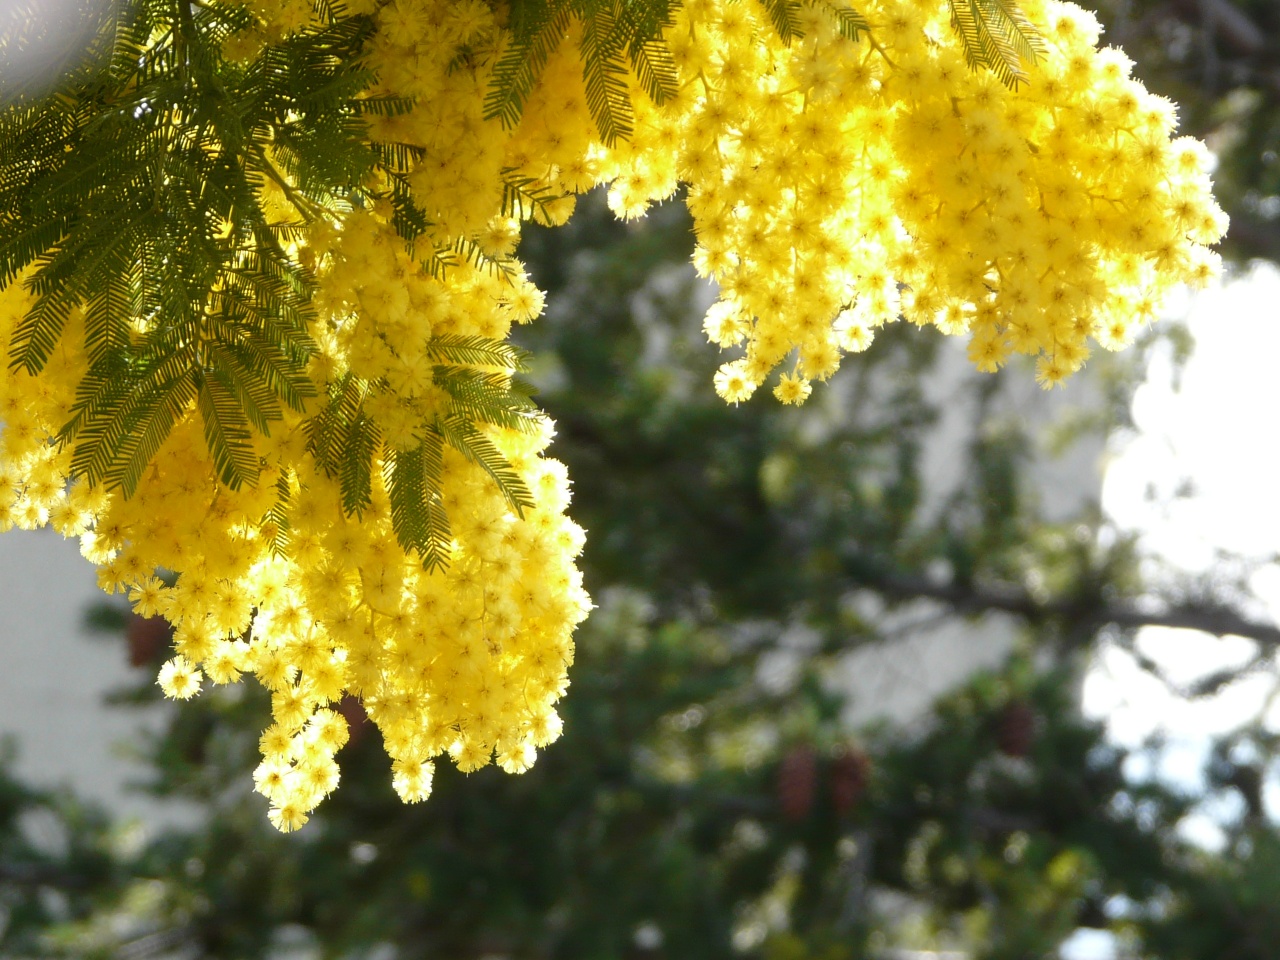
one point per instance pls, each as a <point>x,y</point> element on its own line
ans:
<point>1215,618</point>
<point>308,208</point>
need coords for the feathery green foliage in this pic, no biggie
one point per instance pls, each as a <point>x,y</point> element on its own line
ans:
<point>476,376</point>
<point>617,38</point>
<point>784,15</point>
<point>620,40</point>
<point>134,195</point>
<point>523,196</point>
<point>413,479</point>
<point>134,201</point>
<point>278,516</point>
<point>849,22</point>
<point>477,352</point>
<point>463,435</point>
<point>997,36</point>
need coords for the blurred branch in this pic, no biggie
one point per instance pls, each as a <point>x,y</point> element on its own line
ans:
<point>995,822</point>
<point>1254,238</point>
<point>40,875</point>
<point>161,943</point>
<point>968,598</point>
<point>1228,22</point>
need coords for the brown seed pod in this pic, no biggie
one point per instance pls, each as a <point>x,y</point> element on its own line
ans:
<point>797,777</point>
<point>850,774</point>
<point>148,639</point>
<point>1016,728</point>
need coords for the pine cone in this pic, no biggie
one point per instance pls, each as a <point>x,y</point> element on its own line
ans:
<point>1016,728</point>
<point>850,773</point>
<point>797,776</point>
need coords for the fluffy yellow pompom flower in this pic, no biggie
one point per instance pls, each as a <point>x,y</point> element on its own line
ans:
<point>792,389</point>
<point>828,175</point>
<point>179,679</point>
<point>835,184</point>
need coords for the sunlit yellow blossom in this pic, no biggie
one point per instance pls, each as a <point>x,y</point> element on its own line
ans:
<point>792,389</point>
<point>835,186</point>
<point>179,679</point>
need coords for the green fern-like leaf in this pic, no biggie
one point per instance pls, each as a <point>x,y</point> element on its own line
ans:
<point>344,439</point>
<point>326,431</point>
<point>491,398</point>
<point>97,425</point>
<point>269,367</point>
<point>619,37</point>
<point>604,73</point>
<point>36,335</point>
<point>784,15</point>
<point>464,250</point>
<point>407,218</point>
<point>105,312</point>
<point>524,196</point>
<point>226,431</point>
<point>475,351</point>
<point>355,475</point>
<point>124,411</point>
<point>641,26</point>
<point>465,437</point>
<point>413,479</point>
<point>382,106</point>
<point>253,395</point>
<point>655,69</point>
<point>149,427</point>
<point>538,27</point>
<point>849,22</point>
<point>278,517</point>
<point>997,35</point>
<point>126,196</point>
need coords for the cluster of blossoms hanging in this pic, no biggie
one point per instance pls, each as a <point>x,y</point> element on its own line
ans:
<point>837,183</point>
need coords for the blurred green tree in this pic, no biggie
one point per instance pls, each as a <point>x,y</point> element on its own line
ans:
<point>709,798</point>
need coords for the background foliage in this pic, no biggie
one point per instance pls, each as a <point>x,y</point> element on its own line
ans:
<point>707,798</point>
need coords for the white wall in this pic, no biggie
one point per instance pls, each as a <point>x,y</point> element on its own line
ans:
<point>927,652</point>
<point>54,674</point>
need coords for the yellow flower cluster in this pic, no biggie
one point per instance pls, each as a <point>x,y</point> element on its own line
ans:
<point>468,660</point>
<point>838,185</point>
<point>835,186</point>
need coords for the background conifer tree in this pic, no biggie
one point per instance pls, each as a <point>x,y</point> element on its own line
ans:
<point>695,806</point>
<point>688,803</point>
